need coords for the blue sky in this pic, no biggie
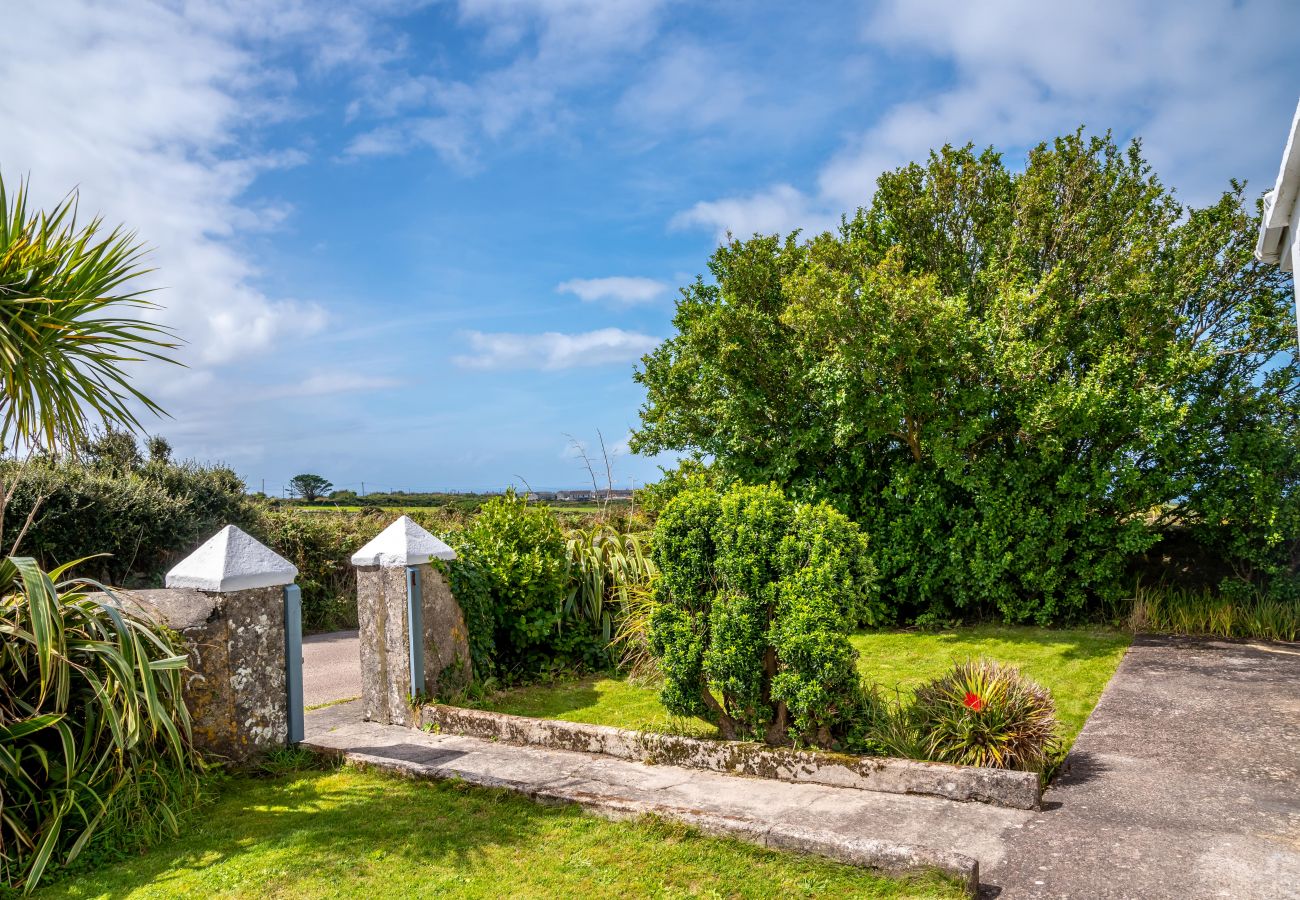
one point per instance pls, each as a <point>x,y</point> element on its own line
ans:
<point>422,245</point>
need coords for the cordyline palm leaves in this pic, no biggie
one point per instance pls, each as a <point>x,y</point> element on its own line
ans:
<point>606,568</point>
<point>92,723</point>
<point>65,324</point>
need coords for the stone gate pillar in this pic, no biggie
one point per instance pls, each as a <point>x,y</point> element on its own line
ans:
<point>227,600</point>
<point>413,635</point>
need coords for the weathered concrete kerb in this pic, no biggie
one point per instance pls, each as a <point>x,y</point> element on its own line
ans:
<point>1017,790</point>
<point>893,833</point>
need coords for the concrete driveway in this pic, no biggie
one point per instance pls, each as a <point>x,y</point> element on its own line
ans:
<point>1184,783</point>
<point>331,668</point>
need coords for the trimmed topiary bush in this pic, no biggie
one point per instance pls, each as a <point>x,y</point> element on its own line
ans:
<point>755,602</point>
<point>983,713</point>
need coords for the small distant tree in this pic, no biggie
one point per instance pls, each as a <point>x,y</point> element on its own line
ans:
<point>115,450</point>
<point>309,487</point>
<point>160,449</point>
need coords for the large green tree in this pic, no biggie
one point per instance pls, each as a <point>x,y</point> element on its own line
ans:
<point>1017,380</point>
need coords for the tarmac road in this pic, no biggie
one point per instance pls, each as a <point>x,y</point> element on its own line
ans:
<point>331,668</point>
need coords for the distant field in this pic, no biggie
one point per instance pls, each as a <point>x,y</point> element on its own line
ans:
<point>557,507</point>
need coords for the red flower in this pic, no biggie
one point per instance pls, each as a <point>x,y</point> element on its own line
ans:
<point>973,702</point>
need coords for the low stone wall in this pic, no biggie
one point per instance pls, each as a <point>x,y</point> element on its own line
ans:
<point>1001,787</point>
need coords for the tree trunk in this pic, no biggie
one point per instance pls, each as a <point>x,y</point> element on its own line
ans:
<point>726,724</point>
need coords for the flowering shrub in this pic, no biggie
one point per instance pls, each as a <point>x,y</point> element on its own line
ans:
<point>983,713</point>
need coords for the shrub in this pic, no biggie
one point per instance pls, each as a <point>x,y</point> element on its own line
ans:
<point>93,729</point>
<point>144,518</point>
<point>983,713</point>
<point>756,598</point>
<point>519,552</point>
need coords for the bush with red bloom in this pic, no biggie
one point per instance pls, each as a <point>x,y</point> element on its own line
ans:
<point>983,713</point>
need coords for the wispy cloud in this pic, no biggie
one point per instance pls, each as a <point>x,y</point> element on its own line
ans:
<point>554,350</point>
<point>557,46</point>
<point>617,290</point>
<point>1190,86</point>
<point>329,384</point>
<point>775,210</point>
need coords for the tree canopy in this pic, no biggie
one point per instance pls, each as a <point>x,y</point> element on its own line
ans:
<point>1018,381</point>
<point>309,487</point>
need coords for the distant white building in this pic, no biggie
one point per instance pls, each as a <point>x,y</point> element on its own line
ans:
<point>1279,230</point>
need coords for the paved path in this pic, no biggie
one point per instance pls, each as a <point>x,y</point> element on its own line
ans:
<point>331,667</point>
<point>1185,783</point>
<point>893,831</point>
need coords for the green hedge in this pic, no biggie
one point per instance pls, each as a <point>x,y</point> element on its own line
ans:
<point>1017,379</point>
<point>143,519</point>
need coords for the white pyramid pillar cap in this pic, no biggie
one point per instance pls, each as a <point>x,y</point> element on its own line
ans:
<point>232,560</point>
<point>404,543</point>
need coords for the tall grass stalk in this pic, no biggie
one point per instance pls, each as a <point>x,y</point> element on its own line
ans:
<point>1187,611</point>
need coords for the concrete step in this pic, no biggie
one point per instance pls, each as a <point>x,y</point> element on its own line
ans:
<point>890,832</point>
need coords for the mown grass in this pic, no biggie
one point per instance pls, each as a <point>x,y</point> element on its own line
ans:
<point>1073,663</point>
<point>348,833</point>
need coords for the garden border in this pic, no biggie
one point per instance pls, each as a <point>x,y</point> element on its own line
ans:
<point>998,787</point>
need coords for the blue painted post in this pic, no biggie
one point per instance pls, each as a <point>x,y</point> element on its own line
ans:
<point>415,628</point>
<point>293,660</point>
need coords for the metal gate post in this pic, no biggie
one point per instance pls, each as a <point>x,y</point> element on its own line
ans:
<point>415,629</point>
<point>293,660</point>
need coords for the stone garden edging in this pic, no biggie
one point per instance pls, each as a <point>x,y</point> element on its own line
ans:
<point>999,787</point>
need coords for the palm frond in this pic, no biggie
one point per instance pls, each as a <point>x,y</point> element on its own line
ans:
<point>70,324</point>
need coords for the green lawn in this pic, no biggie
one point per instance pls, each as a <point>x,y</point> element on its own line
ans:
<point>347,833</point>
<point>1074,663</point>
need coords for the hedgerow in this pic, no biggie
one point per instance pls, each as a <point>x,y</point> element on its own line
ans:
<point>1016,379</point>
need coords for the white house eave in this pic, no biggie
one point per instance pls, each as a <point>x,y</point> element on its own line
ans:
<point>1280,204</point>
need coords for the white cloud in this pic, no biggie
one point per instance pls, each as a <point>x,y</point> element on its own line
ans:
<point>617,290</point>
<point>687,86</point>
<point>1194,84</point>
<point>775,210</point>
<point>153,111</point>
<point>554,350</point>
<point>567,44</point>
<point>329,384</point>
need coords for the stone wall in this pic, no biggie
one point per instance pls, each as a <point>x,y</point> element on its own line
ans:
<point>235,689</point>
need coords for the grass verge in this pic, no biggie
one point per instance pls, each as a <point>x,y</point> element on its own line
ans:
<point>1073,663</point>
<point>349,833</point>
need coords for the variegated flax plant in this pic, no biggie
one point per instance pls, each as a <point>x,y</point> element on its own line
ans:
<point>94,734</point>
<point>606,567</point>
